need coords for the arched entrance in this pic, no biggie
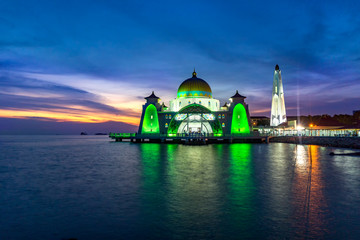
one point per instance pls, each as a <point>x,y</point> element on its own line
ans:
<point>194,119</point>
<point>195,123</point>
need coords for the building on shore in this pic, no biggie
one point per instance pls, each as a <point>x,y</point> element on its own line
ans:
<point>195,112</point>
<point>260,121</point>
<point>320,126</point>
<point>278,111</point>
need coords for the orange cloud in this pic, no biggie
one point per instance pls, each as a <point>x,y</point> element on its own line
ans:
<point>73,116</point>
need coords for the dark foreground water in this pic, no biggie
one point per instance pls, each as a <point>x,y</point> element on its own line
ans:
<point>86,187</point>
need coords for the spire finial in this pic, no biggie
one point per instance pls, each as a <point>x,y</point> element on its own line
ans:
<point>277,67</point>
<point>194,73</point>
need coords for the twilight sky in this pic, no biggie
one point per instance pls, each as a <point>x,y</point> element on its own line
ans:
<point>94,61</point>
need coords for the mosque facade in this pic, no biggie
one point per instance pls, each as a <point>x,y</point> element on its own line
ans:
<point>194,111</point>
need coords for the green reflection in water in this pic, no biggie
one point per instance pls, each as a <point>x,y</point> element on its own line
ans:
<point>150,159</point>
<point>203,186</point>
<point>156,161</point>
<point>194,196</point>
<point>241,185</point>
<point>171,149</point>
<point>150,194</point>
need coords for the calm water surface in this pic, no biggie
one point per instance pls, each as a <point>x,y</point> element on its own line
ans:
<point>87,187</point>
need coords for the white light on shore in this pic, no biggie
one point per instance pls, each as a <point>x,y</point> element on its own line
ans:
<point>299,128</point>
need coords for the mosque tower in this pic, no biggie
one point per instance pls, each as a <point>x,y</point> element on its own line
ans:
<point>278,111</point>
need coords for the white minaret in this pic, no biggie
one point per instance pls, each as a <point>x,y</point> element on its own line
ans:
<point>278,111</point>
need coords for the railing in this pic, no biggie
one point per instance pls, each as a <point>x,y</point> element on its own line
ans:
<point>202,135</point>
<point>122,134</point>
<point>185,135</point>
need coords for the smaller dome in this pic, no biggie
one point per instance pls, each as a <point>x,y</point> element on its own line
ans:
<point>194,87</point>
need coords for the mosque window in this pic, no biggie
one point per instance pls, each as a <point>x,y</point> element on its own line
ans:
<point>169,116</point>
<point>199,102</point>
<point>208,116</point>
<point>219,116</point>
<point>151,116</point>
<point>223,124</point>
<point>238,116</point>
<point>209,103</point>
<point>179,104</point>
<point>216,104</point>
<point>223,116</point>
<point>189,102</point>
<point>166,116</point>
<point>150,124</point>
<point>166,125</point>
<point>180,116</point>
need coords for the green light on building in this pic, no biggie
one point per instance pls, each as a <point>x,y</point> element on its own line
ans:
<point>151,121</point>
<point>239,124</point>
<point>194,113</point>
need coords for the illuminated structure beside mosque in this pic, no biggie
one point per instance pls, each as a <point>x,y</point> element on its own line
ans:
<point>278,110</point>
<point>195,111</point>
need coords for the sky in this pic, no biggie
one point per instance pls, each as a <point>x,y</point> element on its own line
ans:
<point>93,62</point>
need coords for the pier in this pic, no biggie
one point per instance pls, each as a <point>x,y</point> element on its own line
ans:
<point>188,139</point>
<point>342,142</point>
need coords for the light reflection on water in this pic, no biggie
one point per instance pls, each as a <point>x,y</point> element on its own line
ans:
<point>90,188</point>
<point>310,205</point>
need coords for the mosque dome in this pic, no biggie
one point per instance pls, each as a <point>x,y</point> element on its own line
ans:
<point>194,87</point>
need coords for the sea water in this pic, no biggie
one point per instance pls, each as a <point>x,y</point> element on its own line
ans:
<point>89,187</point>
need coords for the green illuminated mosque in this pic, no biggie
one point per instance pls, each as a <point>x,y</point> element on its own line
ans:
<point>195,112</point>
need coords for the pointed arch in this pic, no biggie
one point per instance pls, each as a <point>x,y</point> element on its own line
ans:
<point>151,120</point>
<point>239,122</point>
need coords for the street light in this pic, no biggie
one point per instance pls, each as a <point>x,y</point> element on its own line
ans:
<point>299,130</point>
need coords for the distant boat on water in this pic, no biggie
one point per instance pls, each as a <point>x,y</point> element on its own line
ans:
<point>346,154</point>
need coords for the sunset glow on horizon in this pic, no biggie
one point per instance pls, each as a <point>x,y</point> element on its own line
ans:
<point>93,62</point>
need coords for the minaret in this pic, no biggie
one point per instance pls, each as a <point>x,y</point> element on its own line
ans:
<point>278,112</point>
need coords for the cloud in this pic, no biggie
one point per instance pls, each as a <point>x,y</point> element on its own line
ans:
<point>19,93</point>
<point>48,126</point>
<point>56,104</point>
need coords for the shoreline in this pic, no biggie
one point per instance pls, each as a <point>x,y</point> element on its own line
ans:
<point>340,142</point>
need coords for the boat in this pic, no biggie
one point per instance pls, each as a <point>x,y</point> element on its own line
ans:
<point>345,154</point>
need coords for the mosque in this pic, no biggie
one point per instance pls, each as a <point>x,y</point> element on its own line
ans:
<point>195,116</point>
<point>195,112</point>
